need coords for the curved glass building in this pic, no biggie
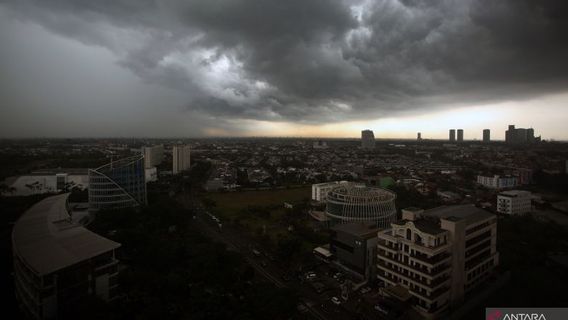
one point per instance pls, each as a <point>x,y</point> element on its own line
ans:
<point>119,184</point>
<point>358,203</point>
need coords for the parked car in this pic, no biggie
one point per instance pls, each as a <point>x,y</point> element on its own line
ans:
<point>336,301</point>
<point>365,290</point>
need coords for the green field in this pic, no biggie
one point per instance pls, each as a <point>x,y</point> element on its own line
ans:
<point>262,214</point>
<point>229,204</point>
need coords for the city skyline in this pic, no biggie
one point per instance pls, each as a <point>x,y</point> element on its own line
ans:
<point>168,71</point>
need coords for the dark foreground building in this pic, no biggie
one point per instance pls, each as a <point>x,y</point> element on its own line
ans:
<point>59,264</point>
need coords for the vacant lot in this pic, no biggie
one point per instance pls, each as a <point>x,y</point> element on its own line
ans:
<point>262,214</point>
<point>229,204</point>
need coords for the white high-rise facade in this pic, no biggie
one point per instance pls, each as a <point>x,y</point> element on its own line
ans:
<point>181,158</point>
<point>152,155</point>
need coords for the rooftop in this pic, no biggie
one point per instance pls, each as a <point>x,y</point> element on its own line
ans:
<point>358,229</point>
<point>468,212</point>
<point>47,240</point>
<point>515,193</point>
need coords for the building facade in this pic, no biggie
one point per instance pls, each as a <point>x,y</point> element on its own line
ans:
<point>452,135</point>
<point>58,264</point>
<point>320,190</point>
<point>119,184</point>
<point>460,135</point>
<point>486,135</point>
<point>520,135</point>
<point>367,139</point>
<point>351,202</point>
<point>354,245</point>
<point>498,182</point>
<point>514,202</point>
<point>153,156</point>
<point>181,158</point>
<point>438,255</point>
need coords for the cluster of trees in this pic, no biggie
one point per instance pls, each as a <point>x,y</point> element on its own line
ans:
<point>174,272</point>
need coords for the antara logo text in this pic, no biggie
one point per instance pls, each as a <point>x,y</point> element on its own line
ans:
<point>524,316</point>
<point>496,315</point>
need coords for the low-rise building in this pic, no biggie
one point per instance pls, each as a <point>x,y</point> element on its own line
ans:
<point>438,255</point>
<point>354,245</point>
<point>497,182</point>
<point>320,190</point>
<point>514,202</point>
<point>58,263</point>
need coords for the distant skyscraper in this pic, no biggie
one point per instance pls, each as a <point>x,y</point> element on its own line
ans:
<point>460,135</point>
<point>486,135</point>
<point>419,136</point>
<point>181,159</point>
<point>367,139</point>
<point>152,155</point>
<point>520,135</point>
<point>452,135</point>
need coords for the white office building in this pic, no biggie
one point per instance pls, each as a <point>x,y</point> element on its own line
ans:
<point>515,202</point>
<point>497,182</point>
<point>320,190</point>
<point>153,156</point>
<point>181,158</point>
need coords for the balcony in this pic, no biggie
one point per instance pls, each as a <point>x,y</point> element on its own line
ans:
<point>412,277</point>
<point>433,295</point>
<point>431,260</point>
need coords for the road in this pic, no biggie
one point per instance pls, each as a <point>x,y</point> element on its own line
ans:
<point>317,305</point>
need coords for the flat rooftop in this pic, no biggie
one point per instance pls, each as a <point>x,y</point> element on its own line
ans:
<point>46,239</point>
<point>358,229</point>
<point>468,212</point>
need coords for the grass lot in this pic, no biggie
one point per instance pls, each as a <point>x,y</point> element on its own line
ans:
<point>262,214</point>
<point>228,204</point>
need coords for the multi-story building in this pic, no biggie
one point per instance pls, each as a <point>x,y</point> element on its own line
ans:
<point>119,184</point>
<point>354,245</point>
<point>486,135</point>
<point>181,158</point>
<point>153,156</point>
<point>367,139</point>
<point>438,255</point>
<point>520,135</point>
<point>460,135</point>
<point>498,182</point>
<point>515,202</point>
<point>352,202</point>
<point>452,135</point>
<point>58,264</point>
<point>320,190</point>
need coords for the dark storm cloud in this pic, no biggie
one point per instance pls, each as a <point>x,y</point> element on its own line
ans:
<point>325,60</point>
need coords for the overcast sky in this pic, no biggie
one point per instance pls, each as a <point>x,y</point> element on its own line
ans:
<point>190,68</point>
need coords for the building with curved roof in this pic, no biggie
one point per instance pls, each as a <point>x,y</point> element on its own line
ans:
<point>353,202</point>
<point>119,184</point>
<point>58,263</point>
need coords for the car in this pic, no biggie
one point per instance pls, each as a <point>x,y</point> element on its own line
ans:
<point>263,263</point>
<point>365,290</point>
<point>382,308</point>
<point>256,253</point>
<point>336,301</point>
<point>337,275</point>
<point>311,275</point>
